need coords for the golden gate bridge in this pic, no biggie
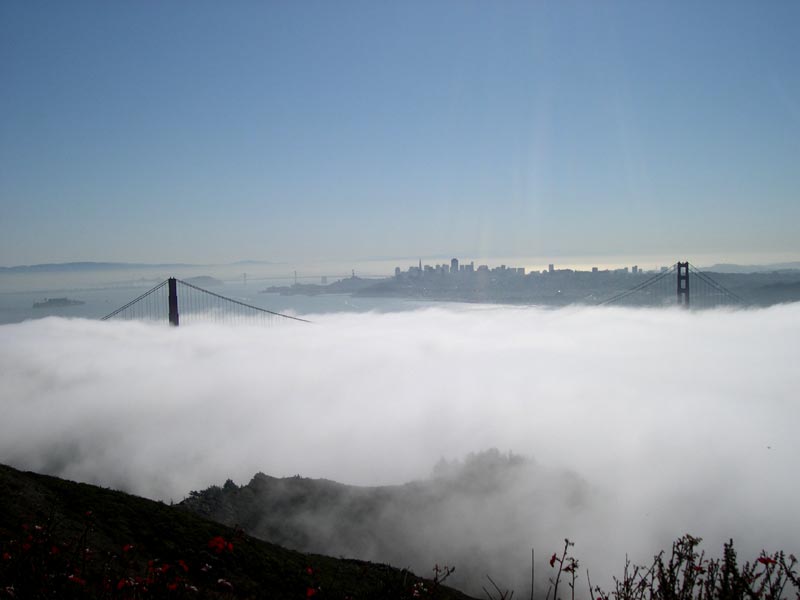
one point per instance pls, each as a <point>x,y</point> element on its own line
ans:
<point>178,302</point>
<point>683,285</point>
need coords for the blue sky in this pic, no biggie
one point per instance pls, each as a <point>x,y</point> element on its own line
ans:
<point>212,132</point>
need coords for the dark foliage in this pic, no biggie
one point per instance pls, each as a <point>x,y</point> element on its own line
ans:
<point>60,539</point>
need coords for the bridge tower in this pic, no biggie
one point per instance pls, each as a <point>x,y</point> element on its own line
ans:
<point>173,301</point>
<point>683,284</point>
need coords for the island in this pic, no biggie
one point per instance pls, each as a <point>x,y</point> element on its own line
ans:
<point>57,303</point>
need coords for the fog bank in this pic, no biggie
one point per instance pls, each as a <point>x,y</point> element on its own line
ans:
<point>675,421</point>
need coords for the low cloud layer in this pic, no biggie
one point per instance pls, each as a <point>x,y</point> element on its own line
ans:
<point>674,421</point>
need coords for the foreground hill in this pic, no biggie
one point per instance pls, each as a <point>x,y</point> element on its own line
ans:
<point>480,515</point>
<point>60,539</point>
<point>483,515</point>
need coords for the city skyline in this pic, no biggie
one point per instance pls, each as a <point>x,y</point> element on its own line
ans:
<point>353,131</point>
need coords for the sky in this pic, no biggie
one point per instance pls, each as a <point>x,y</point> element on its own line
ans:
<point>305,131</point>
<point>641,425</point>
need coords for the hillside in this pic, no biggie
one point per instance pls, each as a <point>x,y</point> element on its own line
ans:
<point>69,540</point>
<point>468,515</point>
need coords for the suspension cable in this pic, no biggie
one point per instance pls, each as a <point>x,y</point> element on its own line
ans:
<point>132,302</point>
<point>716,285</point>
<point>638,287</point>
<point>250,306</point>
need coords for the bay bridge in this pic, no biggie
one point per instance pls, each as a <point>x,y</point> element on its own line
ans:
<point>176,302</point>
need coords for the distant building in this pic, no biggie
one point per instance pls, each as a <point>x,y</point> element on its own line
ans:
<point>550,268</point>
<point>594,269</point>
<point>635,269</point>
<point>397,272</point>
<point>454,265</point>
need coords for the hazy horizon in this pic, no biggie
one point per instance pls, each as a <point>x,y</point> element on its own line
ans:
<point>602,261</point>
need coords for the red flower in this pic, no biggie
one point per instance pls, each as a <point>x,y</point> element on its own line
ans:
<point>6,556</point>
<point>127,547</point>
<point>309,570</point>
<point>76,579</point>
<point>766,560</point>
<point>219,545</point>
<point>310,592</point>
<point>172,586</point>
<point>183,565</point>
<point>553,559</point>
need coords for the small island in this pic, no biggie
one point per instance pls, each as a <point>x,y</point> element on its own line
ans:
<point>57,303</point>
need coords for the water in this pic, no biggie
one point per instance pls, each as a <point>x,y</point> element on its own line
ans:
<point>17,306</point>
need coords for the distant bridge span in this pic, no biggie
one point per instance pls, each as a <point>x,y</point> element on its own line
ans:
<point>176,301</point>
<point>683,282</point>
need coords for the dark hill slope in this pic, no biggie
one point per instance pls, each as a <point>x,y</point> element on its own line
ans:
<point>480,516</point>
<point>68,540</point>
